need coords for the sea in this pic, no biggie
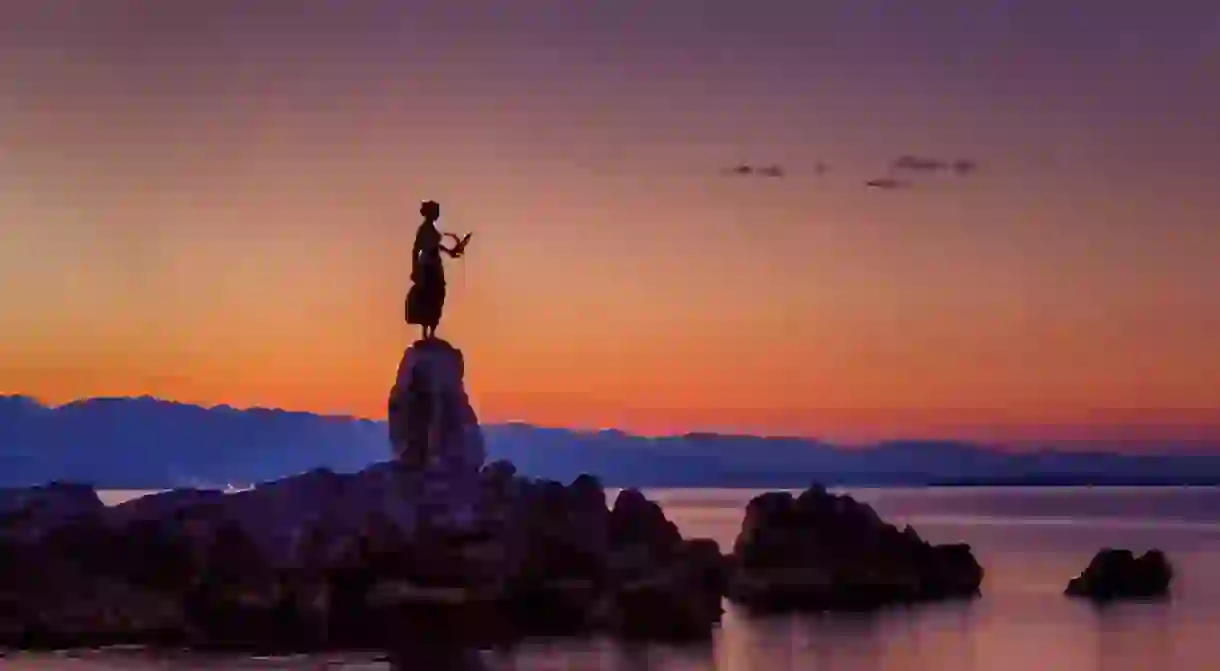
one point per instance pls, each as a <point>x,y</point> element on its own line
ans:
<point>1031,541</point>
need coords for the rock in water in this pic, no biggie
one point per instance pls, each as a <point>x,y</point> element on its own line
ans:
<point>434,430</point>
<point>821,551</point>
<point>1119,574</point>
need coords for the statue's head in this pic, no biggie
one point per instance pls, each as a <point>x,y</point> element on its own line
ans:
<point>430,210</point>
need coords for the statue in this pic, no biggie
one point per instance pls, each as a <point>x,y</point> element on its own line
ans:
<point>426,300</point>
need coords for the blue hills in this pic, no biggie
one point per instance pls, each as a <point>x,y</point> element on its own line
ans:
<point>146,443</point>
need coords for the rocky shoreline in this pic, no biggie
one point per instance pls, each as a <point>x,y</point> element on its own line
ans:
<point>183,568</point>
<point>188,568</point>
<point>434,543</point>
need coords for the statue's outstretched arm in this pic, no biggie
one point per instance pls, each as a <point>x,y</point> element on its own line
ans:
<point>459,245</point>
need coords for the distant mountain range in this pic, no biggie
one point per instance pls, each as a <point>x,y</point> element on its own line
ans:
<point>145,443</point>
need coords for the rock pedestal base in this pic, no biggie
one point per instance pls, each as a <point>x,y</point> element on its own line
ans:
<point>434,432</point>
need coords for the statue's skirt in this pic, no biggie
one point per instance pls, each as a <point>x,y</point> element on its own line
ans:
<point>426,299</point>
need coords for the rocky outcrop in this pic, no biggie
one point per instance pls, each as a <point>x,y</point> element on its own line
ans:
<point>46,594</point>
<point>433,543</point>
<point>330,560</point>
<point>819,551</point>
<point>434,430</point>
<point>36,511</point>
<point>1119,574</point>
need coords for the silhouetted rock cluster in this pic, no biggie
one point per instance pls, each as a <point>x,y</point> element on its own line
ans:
<point>1119,574</point>
<point>319,560</point>
<point>819,551</point>
<point>433,544</point>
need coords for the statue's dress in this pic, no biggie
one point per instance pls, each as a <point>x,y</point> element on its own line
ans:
<point>426,299</point>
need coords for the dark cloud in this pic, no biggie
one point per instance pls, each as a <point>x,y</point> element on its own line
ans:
<point>745,170</point>
<point>888,183</point>
<point>919,164</point>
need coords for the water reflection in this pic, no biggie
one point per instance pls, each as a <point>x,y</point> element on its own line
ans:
<point>1134,637</point>
<point>605,655</point>
<point>900,638</point>
<point>436,656</point>
<point>793,642</point>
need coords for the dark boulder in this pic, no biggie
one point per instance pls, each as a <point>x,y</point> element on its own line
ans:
<point>673,595</point>
<point>820,551</point>
<point>1119,574</point>
<point>636,520</point>
<point>27,514</point>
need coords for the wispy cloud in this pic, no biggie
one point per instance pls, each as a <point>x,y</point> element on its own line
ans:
<point>888,183</point>
<point>918,164</point>
<point>926,164</point>
<point>747,170</point>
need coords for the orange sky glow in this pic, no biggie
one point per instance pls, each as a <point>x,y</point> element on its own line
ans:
<point>219,208</point>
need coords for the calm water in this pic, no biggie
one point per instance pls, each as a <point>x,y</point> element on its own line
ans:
<point>1031,541</point>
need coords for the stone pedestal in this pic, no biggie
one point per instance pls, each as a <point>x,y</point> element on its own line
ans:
<point>434,431</point>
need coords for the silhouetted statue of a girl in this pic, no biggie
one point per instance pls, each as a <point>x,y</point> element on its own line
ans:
<point>426,299</point>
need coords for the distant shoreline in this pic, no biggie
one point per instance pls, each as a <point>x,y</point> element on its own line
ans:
<point>147,444</point>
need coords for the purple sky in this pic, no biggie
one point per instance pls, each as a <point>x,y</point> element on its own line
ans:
<point>213,202</point>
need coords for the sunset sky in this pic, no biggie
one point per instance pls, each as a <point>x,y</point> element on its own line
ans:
<point>214,201</point>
